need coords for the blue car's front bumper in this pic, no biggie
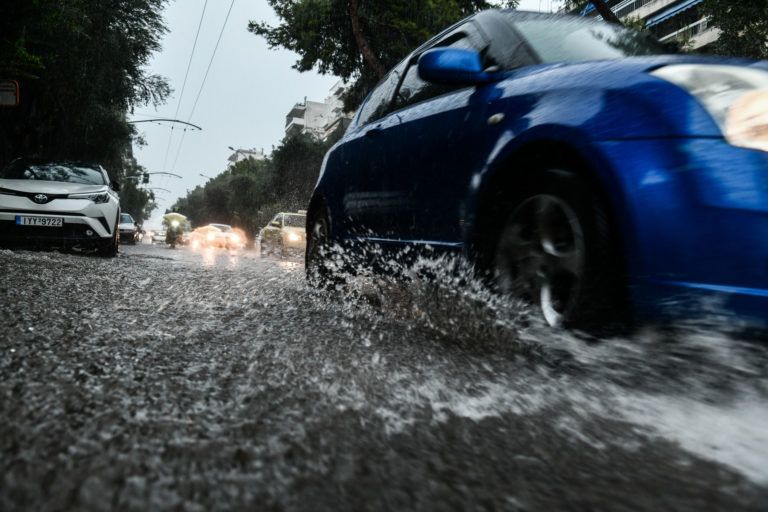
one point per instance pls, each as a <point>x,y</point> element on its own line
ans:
<point>694,225</point>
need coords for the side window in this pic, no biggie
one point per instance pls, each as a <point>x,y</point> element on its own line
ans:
<point>380,101</point>
<point>414,90</point>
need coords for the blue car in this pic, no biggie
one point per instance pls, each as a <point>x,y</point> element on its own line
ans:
<point>576,164</point>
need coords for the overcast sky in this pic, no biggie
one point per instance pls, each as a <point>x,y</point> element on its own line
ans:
<point>242,103</point>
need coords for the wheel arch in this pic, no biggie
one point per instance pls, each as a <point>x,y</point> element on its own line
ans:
<point>496,195</point>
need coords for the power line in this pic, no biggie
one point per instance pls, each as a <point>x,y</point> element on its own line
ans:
<point>221,33</point>
<point>211,61</point>
<point>184,84</point>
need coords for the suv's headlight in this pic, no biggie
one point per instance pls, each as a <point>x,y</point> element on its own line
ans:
<point>98,197</point>
<point>736,97</point>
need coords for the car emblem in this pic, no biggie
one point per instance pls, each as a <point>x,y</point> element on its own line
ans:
<point>41,198</point>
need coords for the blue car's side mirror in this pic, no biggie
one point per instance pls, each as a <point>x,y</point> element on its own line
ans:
<point>454,66</point>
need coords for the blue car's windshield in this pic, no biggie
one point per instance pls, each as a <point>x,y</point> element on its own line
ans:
<point>52,171</point>
<point>572,39</point>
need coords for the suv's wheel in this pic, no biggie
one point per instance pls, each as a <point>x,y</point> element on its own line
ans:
<point>110,248</point>
<point>556,251</point>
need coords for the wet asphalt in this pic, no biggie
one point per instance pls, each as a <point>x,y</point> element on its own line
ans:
<point>215,380</point>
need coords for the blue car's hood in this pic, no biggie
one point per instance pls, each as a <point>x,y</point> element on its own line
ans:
<point>610,99</point>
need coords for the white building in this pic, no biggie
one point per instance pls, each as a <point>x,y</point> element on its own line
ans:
<point>318,118</point>
<point>243,154</point>
<point>665,19</point>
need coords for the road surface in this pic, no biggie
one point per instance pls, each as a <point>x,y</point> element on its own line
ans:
<point>214,380</point>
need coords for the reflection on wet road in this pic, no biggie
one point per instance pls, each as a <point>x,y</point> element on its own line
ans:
<point>216,380</point>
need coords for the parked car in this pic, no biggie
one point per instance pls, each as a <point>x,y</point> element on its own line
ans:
<point>129,231</point>
<point>285,234</point>
<point>59,203</point>
<point>572,161</point>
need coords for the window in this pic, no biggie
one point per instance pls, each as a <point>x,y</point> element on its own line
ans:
<point>380,100</point>
<point>414,90</point>
<point>296,221</point>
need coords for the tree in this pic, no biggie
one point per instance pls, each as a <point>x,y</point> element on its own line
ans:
<point>137,201</point>
<point>359,40</point>
<point>80,70</point>
<point>743,26</point>
<point>250,192</point>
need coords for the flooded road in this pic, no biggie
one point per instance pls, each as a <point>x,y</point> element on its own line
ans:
<point>215,380</point>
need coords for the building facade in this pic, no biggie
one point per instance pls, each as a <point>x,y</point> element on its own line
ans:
<point>244,154</point>
<point>316,118</point>
<point>665,19</point>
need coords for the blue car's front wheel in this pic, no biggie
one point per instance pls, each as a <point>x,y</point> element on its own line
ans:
<point>556,252</point>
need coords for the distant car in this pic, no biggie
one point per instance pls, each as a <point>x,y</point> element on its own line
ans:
<point>130,232</point>
<point>158,237</point>
<point>224,236</point>
<point>59,203</point>
<point>285,234</point>
<point>573,162</point>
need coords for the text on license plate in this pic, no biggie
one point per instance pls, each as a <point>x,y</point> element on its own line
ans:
<point>55,222</point>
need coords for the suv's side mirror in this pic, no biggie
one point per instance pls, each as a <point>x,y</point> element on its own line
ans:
<point>115,185</point>
<point>275,223</point>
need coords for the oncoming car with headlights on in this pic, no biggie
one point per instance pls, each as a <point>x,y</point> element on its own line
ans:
<point>576,164</point>
<point>285,234</point>
<point>218,235</point>
<point>59,203</point>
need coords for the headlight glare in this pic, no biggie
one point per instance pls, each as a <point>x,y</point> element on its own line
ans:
<point>736,97</point>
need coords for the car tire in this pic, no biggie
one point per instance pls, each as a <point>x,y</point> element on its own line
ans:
<point>316,257</point>
<point>557,251</point>
<point>110,248</point>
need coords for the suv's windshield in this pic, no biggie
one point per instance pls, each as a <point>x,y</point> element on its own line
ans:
<point>53,171</point>
<point>295,221</point>
<point>570,39</point>
<point>126,219</point>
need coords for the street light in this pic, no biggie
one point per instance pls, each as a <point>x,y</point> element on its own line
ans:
<point>204,176</point>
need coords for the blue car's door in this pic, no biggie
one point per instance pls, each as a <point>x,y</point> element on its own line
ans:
<point>429,163</point>
<point>432,164</point>
<point>445,135</point>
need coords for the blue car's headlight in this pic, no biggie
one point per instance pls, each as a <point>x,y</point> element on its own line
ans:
<point>98,198</point>
<point>736,97</point>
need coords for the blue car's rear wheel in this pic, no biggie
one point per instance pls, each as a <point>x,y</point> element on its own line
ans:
<point>556,251</point>
<point>318,264</point>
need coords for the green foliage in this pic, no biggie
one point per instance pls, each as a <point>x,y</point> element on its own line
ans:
<point>250,192</point>
<point>321,33</point>
<point>137,201</point>
<point>743,25</point>
<point>79,65</point>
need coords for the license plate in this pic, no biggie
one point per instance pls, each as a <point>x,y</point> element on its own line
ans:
<point>51,222</point>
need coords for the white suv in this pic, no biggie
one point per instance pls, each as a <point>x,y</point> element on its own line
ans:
<point>59,203</point>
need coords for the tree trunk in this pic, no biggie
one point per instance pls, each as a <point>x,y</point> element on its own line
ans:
<point>362,43</point>
<point>606,12</point>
